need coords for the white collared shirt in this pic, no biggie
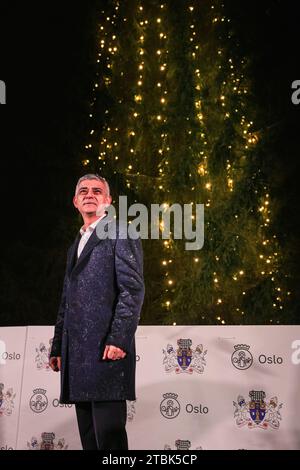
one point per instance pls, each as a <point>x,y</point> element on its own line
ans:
<point>85,234</point>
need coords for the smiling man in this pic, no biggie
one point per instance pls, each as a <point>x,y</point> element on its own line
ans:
<point>93,345</point>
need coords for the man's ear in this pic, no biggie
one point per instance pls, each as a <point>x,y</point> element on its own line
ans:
<point>75,202</point>
<point>108,200</point>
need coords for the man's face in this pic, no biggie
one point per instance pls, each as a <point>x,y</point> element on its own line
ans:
<point>91,198</point>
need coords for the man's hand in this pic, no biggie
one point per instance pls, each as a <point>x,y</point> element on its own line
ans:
<point>113,353</point>
<point>55,363</point>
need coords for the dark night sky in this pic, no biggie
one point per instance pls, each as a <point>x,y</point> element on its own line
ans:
<point>46,59</point>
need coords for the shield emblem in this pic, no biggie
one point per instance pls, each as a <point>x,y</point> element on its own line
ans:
<point>47,441</point>
<point>257,410</point>
<point>184,357</point>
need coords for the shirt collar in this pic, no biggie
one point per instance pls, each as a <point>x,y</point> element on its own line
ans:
<point>92,226</point>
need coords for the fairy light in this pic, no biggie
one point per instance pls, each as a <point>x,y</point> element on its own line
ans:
<point>107,51</point>
<point>162,54</point>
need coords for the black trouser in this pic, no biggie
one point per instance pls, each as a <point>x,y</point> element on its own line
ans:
<point>102,424</point>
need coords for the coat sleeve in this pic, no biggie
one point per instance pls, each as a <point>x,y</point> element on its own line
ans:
<point>130,284</point>
<point>57,339</point>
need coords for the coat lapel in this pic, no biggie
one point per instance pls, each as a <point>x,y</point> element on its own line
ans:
<point>73,254</point>
<point>90,245</point>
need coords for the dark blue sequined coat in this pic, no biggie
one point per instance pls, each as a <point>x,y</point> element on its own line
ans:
<point>101,302</point>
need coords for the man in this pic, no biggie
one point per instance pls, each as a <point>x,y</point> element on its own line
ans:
<point>93,344</point>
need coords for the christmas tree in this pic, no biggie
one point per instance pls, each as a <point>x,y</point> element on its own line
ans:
<point>173,121</point>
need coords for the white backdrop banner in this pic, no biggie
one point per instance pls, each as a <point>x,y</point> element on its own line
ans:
<point>198,387</point>
<point>44,422</point>
<point>12,350</point>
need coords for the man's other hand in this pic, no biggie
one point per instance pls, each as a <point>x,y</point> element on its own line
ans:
<point>113,353</point>
<point>55,363</point>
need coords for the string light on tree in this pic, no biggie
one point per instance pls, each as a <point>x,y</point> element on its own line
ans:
<point>164,138</point>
